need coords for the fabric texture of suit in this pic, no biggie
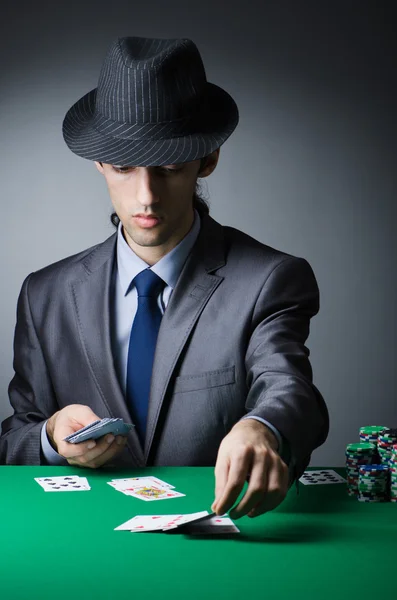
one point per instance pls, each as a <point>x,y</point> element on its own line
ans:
<point>231,343</point>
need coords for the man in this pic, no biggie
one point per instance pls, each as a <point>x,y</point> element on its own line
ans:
<point>193,331</point>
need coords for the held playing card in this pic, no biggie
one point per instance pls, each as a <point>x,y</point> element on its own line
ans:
<point>178,521</point>
<point>98,429</point>
<point>159,522</point>
<point>200,523</point>
<point>324,476</point>
<point>203,524</point>
<point>212,525</point>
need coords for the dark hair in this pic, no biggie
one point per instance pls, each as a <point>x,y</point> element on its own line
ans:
<point>200,202</point>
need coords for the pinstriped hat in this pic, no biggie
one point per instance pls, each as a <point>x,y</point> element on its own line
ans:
<point>153,106</point>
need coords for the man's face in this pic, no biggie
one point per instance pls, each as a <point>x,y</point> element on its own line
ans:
<point>154,204</point>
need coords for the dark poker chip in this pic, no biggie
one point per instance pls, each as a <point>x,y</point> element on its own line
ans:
<point>391,432</point>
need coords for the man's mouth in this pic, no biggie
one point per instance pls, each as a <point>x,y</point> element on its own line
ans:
<point>146,221</point>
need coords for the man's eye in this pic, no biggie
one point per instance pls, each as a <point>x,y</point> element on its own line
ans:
<point>121,169</point>
<point>170,169</point>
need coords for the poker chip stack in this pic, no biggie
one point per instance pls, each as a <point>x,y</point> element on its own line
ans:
<point>358,455</point>
<point>373,483</point>
<point>393,474</point>
<point>371,434</point>
<point>386,440</point>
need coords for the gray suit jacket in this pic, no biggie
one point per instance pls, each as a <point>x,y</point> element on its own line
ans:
<point>231,342</point>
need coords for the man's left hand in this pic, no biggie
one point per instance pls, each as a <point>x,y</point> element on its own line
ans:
<point>249,451</point>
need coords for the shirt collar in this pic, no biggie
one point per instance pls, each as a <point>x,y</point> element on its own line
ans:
<point>168,268</point>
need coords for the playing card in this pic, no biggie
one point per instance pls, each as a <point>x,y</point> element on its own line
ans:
<point>199,523</point>
<point>180,520</point>
<point>70,483</point>
<point>133,482</point>
<point>98,429</point>
<point>86,428</point>
<point>325,476</point>
<point>122,486</point>
<point>158,522</point>
<point>151,492</point>
<point>212,525</point>
<point>146,523</point>
<point>79,433</point>
<point>162,483</point>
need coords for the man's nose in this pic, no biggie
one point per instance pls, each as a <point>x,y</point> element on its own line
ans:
<point>147,193</point>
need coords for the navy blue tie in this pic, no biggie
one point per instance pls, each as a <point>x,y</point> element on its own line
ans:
<point>142,345</point>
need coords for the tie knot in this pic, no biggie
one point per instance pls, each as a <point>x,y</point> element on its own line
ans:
<point>148,284</point>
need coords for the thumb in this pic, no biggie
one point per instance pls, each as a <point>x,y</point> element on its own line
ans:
<point>81,415</point>
<point>72,418</point>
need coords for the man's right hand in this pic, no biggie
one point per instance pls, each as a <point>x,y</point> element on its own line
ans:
<point>92,453</point>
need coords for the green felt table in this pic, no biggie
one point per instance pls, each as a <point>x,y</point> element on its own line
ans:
<point>320,543</point>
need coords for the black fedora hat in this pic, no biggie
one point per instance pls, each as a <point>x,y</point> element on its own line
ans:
<point>153,106</point>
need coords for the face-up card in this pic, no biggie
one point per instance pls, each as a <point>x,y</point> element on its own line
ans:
<point>142,481</point>
<point>70,483</point>
<point>133,482</point>
<point>200,523</point>
<point>182,520</point>
<point>161,483</point>
<point>152,492</point>
<point>325,476</point>
<point>158,522</point>
<point>147,523</point>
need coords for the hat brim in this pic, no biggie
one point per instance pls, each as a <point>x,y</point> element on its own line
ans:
<point>211,131</point>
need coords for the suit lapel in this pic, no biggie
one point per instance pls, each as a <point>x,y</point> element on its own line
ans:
<point>91,296</point>
<point>194,288</point>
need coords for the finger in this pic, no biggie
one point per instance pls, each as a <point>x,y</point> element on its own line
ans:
<point>74,450</point>
<point>221,474</point>
<point>110,452</point>
<point>90,448</point>
<point>276,489</point>
<point>91,452</point>
<point>82,415</point>
<point>70,421</point>
<point>257,486</point>
<point>108,455</point>
<point>238,471</point>
<point>121,440</point>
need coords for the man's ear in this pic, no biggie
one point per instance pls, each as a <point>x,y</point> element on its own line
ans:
<point>99,166</point>
<point>209,164</point>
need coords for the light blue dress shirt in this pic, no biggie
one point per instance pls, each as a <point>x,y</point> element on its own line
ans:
<point>126,303</point>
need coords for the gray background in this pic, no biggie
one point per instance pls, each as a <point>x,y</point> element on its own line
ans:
<point>310,169</point>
